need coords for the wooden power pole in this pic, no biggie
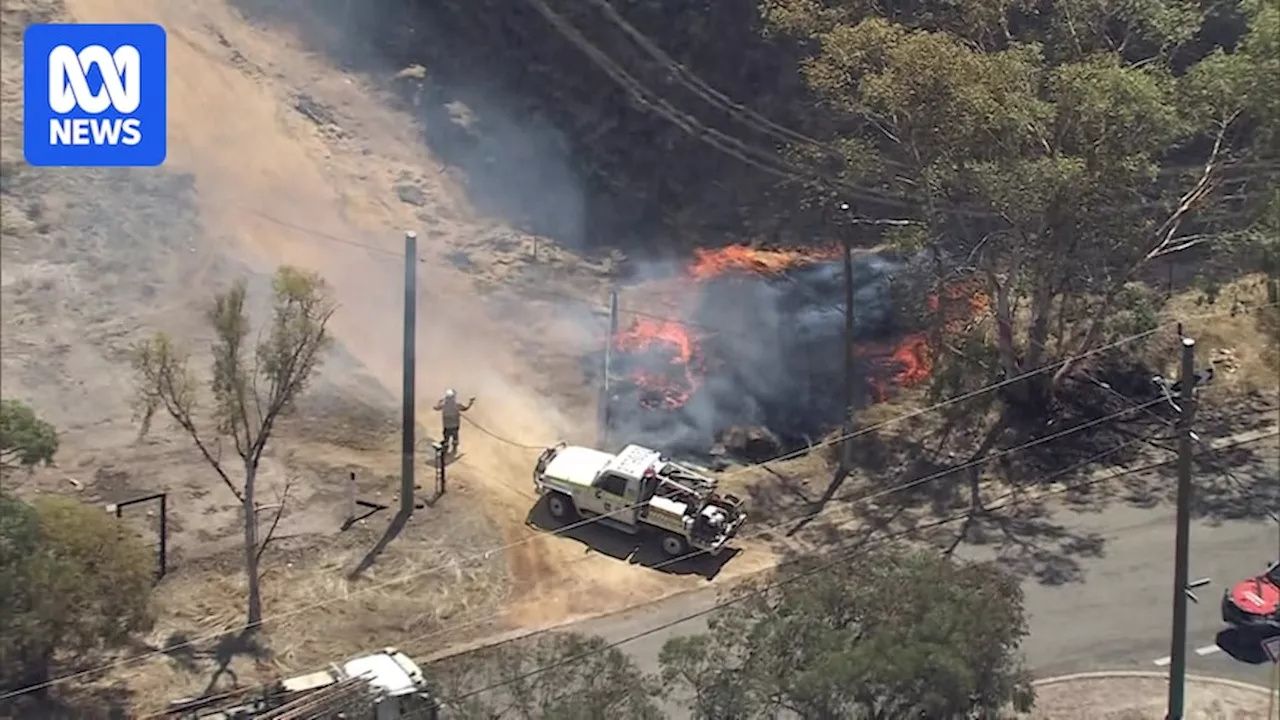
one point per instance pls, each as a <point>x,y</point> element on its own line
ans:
<point>846,444</point>
<point>1181,553</point>
<point>606,394</point>
<point>408,418</point>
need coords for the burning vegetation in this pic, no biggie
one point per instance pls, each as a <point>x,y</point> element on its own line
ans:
<point>762,349</point>
<point>667,361</point>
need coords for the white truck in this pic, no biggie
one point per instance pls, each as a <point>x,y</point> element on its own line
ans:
<point>638,490</point>
<point>386,685</point>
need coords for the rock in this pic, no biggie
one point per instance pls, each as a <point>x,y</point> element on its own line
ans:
<point>750,442</point>
<point>313,110</point>
<point>411,194</point>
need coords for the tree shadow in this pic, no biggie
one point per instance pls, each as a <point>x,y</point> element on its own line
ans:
<point>1028,542</point>
<point>872,458</point>
<point>1080,452</point>
<point>816,506</point>
<point>184,652</point>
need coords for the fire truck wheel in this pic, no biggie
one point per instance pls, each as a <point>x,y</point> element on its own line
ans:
<point>674,545</point>
<point>561,507</point>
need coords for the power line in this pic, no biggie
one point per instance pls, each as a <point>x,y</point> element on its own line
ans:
<point>767,529</point>
<point>711,95</point>
<point>1221,468</point>
<point>916,482</point>
<point>842,556</point>
<point>764,160</point>
<point>479,555</point>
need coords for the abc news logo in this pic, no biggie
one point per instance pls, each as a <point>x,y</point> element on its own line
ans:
<point>69,90</point>
<point>94,95</point>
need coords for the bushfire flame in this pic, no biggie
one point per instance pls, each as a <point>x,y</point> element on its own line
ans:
<point>676,349</point>
<point>910,361</point>
<point>906,363</point>
<point>709,263</point>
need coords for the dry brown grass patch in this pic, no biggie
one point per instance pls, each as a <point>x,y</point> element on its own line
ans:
<point>423,583</point>
<point>1243,340</point>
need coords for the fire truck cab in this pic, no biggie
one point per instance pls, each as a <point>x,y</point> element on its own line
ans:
<point>638,490</point>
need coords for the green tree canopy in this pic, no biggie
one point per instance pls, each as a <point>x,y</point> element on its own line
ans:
<point>566,676</point>
<point>1056,150</point>
<point>76,580</point>
<point>879,636</point>
<point>25,439</point>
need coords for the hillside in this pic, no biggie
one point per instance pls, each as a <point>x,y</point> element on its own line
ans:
<point>1004,225</point>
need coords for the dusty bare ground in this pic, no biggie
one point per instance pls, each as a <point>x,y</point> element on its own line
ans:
<point>1135,698</point>
<point>93,260</point>
<point>276,157</point>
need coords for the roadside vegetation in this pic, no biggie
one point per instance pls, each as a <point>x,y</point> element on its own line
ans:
<point>1080,175</point>
<point>879,634</point>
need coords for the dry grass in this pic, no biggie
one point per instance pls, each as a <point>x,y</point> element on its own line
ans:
<point>93,259</point>
<point>1243,339</point>
<point>316,612</point>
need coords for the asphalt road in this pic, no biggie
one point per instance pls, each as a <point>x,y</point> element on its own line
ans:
<point>1116,612</point>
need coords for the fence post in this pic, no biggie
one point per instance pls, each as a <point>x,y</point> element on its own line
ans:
<point>351,501</point>
<point>164,535</point>
<point>441,459</point>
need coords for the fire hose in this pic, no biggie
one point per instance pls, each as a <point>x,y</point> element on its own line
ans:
<point>501,439</point>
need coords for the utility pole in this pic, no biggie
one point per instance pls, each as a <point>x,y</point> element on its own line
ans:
<point>408,420</point>
<point>1178,650</point>
<point>846,444</point>
<point>606,400</point>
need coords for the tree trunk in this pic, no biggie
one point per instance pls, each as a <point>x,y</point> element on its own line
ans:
<point>251,546</point>
<point>975,470</point>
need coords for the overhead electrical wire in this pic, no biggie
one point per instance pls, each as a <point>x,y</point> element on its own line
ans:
<point>706,92</point>
<point>843,554</point>
<point>1220,468</point>
<point>502,548</point>
<point>767,529</point>
<point>767,161</point>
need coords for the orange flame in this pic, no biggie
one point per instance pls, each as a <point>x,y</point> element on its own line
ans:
<point>910,362</point>
<point>709,263</point>
<point>674,346</point>
<point>671,341</point>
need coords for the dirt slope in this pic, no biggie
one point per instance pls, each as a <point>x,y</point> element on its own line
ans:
<point>277,187</point>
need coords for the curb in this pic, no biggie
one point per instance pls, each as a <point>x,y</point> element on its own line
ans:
<point>1149,675</point>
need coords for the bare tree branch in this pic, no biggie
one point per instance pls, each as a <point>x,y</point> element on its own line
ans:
<point>275,521</point>
<point>1185,242</point>
<point>166,383</point>
<point>247,399</point>
<point>1189,201</point>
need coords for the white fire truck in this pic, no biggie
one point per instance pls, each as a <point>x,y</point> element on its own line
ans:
<point>639,491</point>
<point>386,685</point>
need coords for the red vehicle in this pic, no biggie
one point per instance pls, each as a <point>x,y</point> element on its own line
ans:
<point>1254,603</point>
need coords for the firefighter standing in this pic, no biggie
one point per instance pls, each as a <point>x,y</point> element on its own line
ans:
<point>451,415</point>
